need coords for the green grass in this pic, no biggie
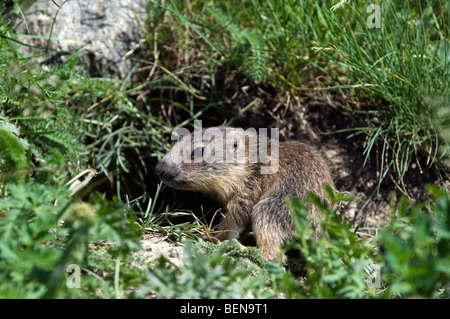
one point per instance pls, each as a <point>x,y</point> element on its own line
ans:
<point>407,64</point>
<point>59,128</point>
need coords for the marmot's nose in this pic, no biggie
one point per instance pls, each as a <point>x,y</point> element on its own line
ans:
<point>159,168</point>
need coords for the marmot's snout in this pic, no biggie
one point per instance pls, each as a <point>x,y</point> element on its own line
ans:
<point>159,169</point>
<point>165,170</point>
<point>169,173</point>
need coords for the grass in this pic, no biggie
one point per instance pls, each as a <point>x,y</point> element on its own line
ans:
<point>407,65</point>
<point>77,153</point>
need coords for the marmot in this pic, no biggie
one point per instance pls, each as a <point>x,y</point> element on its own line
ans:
<point>251,175</point>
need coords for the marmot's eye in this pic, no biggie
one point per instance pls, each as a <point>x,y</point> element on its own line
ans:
<point>197,153</point>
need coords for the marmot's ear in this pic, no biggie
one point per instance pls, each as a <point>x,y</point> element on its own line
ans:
<point>179,133</point>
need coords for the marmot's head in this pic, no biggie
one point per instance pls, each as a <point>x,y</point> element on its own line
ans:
<point>213,160</point>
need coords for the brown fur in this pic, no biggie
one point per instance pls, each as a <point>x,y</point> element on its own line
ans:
<point>252,200</point>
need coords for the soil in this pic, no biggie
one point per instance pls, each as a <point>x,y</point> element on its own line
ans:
<point>155,246</point>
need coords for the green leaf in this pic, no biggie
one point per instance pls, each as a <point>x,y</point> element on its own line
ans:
<point>12,156</point>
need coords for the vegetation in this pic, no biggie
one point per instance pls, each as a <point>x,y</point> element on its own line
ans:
<point>72,147</point>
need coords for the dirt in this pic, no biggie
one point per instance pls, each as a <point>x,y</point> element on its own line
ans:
<point>155,246</point>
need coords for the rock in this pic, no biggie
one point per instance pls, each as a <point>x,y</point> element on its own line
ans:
<point>155,246</point>
<point>104,31</point>
<point>176,252</point>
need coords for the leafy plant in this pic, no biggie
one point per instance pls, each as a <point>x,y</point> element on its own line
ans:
<point>43,230</point>
<point>223,271</point>
<point>417,249</point>
<point>13,157</point>
<point>249,51</point>
<point>34,121</point>
<point>408,259</point>
<point>335,263</point>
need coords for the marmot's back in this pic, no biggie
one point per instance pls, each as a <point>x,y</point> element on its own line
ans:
<point>303,169</point>
<point>251,176</point>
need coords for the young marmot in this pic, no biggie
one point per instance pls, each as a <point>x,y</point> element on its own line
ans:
<point>251,175</point>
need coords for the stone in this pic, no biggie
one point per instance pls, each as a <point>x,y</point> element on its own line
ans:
<point>105,32</point>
